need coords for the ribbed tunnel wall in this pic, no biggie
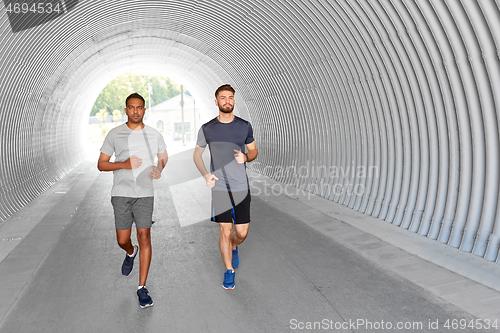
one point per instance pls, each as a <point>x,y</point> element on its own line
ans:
<point>389,107</point>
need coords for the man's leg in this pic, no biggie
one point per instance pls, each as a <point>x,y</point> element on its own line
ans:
<point>222,213</point>
<point>240,233</point>
<point>241,222</point>
<point>144,238</point>
<point>123,222</point>
<point>123,238</point>
<point>143,214</point>
<point>226,230</point>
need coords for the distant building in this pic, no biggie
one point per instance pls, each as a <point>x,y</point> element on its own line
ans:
<point>166,117</point>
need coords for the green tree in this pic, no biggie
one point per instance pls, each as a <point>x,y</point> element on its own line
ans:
<point>113,96</point>
<point>117,115</point>
<point>102,115</point>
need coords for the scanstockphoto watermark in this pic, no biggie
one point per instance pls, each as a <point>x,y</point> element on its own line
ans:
<point>357,324</point>
<point>452,325</point>
<point>313,179</point>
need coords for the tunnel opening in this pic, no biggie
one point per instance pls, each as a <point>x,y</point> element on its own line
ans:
<point>170,108</point>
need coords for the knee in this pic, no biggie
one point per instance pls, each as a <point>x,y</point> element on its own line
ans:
<point>242,234</point>
<point>144,238</point>
<point>123,241</point>
<point>225,234</point>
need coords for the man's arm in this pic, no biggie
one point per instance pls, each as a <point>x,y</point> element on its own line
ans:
<point>252,151</point>
<point>198,161</point>
<point>105,165</point>
<point>162,161</point>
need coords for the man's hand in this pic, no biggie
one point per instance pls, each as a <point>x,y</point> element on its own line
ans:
<point>133,163</point>
<point>240,157</point>
<point>155,173</point>
<point>210,179</point>
<point>198,161</point>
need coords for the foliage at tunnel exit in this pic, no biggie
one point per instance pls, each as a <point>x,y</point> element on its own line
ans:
<point>113,96</point>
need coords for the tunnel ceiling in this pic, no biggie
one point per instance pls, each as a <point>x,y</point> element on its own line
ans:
<point>389,107</point>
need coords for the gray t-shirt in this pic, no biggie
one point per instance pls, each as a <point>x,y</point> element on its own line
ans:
<point>124,143</point>
<point>223,139</point>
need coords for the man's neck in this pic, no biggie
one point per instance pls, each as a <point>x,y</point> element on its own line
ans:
<point>135,127</point>
<point>225,117</point>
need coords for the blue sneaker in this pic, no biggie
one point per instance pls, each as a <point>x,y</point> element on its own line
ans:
<point>228,280</point>
<point>128,263</point>
<point>144,299</point>
<point>236,259</point>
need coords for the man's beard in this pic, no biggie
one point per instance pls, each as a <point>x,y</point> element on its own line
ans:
<point>133,121</point>
<point>221,109</point>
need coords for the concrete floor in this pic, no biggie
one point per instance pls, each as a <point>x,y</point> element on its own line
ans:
<point>306,262</point>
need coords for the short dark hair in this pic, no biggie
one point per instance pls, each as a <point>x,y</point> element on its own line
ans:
<point>224,87</point>
<point>135,95</point>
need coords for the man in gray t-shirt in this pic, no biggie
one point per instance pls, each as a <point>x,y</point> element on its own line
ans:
<point>135,147</point>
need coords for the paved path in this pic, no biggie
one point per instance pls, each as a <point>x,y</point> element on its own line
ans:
<point>64,275</point>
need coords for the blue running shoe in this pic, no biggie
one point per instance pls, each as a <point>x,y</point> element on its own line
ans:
<point>128,263</point>
<point>236,259</point>
<point>144,299</point>
<point>228,279</point>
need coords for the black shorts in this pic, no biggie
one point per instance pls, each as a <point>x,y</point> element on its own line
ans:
<point>231,206</point>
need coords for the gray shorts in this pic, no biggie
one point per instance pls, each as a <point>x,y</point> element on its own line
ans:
<point>130,210</point>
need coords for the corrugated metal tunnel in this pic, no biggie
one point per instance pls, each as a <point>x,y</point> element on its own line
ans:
<point>389,107</point>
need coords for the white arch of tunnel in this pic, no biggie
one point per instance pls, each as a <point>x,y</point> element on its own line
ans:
<point>398,99</point>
